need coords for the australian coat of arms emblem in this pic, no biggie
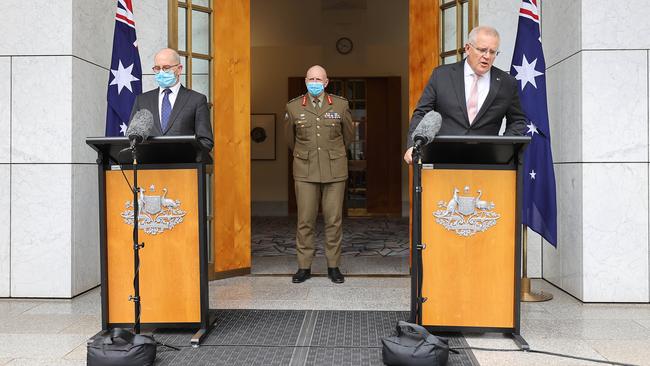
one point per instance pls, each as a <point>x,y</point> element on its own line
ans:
<point>156,213</point>
<point>466,215</point>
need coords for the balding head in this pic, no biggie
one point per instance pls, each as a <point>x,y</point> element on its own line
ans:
<point>168,60</point>
<point>316,74</point>
<point>317,71</point>
<point>168,54</point>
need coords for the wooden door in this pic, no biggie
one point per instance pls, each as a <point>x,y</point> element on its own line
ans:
<point>296,87</point>
<point>231,116</point>
<point>384,164</point>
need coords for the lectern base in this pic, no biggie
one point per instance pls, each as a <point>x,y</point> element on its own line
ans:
<point>520,341</point>
<point>198,337</point>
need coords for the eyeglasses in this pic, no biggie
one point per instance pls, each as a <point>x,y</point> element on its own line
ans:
<point>486,51</point>
<point>164,68</point>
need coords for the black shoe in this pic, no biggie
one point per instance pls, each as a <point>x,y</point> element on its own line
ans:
<point>335,275</point>
<point>301,276</point>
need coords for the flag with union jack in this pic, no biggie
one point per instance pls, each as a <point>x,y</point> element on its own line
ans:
<point>528,67</point>
<point>125,77</point>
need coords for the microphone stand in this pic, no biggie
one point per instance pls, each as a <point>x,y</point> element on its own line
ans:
<point>136,244</point>
<point>416,238</point>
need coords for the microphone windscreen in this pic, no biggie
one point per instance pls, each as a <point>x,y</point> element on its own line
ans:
<point>428,127</point>
<point>141,125</point>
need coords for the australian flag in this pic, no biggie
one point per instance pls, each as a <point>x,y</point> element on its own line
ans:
<point>528,67</point>
<point>125,77</point>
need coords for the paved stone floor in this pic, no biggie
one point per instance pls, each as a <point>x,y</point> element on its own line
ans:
<point>371,246</point>
<point>53,332</point>
<point>362,236</point>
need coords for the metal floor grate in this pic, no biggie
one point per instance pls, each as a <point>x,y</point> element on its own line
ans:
<point>293,338</point>
<point>226,355</point>
<point>354,328</point>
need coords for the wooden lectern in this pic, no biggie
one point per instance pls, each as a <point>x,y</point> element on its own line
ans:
<point>468,261</point>
<point>172,226</point>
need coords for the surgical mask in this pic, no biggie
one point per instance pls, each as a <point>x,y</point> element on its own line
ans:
<point>166,79</point>
<point>315,88</point>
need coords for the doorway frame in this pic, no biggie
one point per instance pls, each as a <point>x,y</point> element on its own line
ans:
<point>231,88</point>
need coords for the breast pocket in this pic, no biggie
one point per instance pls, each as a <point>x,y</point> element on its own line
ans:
<point>334,126</point>
<point>304,130</point>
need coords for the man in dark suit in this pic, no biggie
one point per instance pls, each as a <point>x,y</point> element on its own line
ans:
<point>176,109</point>
<point>472,96</point>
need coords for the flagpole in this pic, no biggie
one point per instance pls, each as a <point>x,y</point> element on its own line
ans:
<point>526,294</point>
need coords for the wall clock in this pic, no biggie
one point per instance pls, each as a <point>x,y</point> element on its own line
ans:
<point>344,45</point>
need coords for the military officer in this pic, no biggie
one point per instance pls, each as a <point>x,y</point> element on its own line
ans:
<point>319,128</point>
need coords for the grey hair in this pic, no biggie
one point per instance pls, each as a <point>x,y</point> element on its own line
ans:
<point>471,38</point>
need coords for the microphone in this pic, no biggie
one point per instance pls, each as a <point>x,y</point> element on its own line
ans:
<point>426,129</point>
<point>140,127</point>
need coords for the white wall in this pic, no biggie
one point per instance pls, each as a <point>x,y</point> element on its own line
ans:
<point>597,67</point>
<point>5,169</point>
<point>54,60</point>
<point>288,36</point>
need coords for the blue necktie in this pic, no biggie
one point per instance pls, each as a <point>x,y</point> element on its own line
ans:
<point>165,110</point>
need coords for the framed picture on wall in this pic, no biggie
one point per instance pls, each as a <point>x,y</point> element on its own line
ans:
<point>263,136</point>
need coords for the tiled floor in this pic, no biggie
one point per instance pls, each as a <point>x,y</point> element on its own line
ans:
<point>53,332</point>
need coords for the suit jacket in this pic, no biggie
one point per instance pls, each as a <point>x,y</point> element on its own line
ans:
<point>445,94</point>
<point>190,115</point>
<point>319,138</point>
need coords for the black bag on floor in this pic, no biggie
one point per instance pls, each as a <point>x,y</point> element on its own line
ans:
<point>120,347</point>
<point>414,346</point>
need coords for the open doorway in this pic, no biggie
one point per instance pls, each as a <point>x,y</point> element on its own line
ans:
<point>370,68</point>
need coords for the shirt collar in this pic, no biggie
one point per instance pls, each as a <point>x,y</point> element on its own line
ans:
<point>174,89</point>
<point>469,72</point>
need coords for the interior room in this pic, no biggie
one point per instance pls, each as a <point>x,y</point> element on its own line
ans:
<point>363,45</point>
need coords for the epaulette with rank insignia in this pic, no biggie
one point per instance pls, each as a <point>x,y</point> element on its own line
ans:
<point>338,96</point>
<point>296,98</point>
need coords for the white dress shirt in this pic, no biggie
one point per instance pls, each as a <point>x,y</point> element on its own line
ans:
<point>483,85</point>
<point>172,96</point>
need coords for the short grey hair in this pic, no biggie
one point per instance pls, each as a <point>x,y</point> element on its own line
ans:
<point>482,29</point>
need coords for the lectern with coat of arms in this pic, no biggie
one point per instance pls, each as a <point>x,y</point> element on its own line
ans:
<point>467,271</point>
<point>171,216</point>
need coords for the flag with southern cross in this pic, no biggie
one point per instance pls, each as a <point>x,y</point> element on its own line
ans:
<point>125,77</point>
<point>528,67</point>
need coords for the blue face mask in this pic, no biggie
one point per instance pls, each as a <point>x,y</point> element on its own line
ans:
<point>166,79</point>
<point>315,88</point>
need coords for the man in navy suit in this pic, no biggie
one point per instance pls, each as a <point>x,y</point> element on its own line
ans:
<point>472,96</point>
<point>176,109</point>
